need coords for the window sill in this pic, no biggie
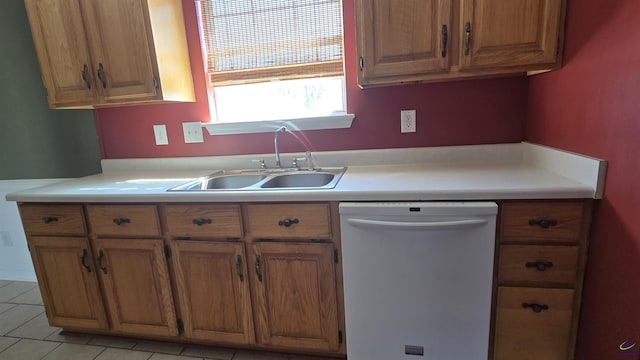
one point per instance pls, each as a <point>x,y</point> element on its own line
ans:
<point>315,123</point>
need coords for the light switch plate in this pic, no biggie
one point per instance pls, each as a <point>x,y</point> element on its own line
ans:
<point>192,132</point>
<point>160,132</point>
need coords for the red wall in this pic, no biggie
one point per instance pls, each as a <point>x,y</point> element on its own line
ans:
<point>592,106</point>
<point>455,113</point>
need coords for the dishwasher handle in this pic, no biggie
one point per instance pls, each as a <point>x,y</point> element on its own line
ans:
<point>430,225</point>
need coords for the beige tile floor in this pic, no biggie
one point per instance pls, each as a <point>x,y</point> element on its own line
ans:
<point>26,335</point>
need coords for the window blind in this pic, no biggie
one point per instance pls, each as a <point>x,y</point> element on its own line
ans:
<point>248,41</point>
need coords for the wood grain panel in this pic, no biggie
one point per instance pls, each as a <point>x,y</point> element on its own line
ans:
<point>70,291</point>
<point>135,220</point>
<point>516,217</point>
<point>524,334</point>
<point>295,295</point>
<point>204,221</point>
<point>52,219</point>
<point>513,268</point>
<point>212,281</point>
<point>136,286</point>
<point>313,221</point>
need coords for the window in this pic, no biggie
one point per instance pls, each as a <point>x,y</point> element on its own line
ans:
<point>273,59</point>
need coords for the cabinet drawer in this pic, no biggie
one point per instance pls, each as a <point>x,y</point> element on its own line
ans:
<point>289,221</point>
<point>211,221</point>
<point>553,222</point>
<point>52,219</point>
<point>524,334</point>
<point>534,265</point>
<point>124,220</point>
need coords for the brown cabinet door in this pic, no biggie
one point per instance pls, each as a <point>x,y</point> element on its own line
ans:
<point>402,38</point>
<point>121,48</point>
<point>213,290</point>
<point>136,286</point>
<point>61,45</point>
<point>527,332</point>
<point>504,34</point>
<point>68,282</point>
<point>295,296</point>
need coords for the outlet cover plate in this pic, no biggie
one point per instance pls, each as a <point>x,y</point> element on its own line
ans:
<point>407,121</point>
<point>160,132</point>
<point>192,132</point>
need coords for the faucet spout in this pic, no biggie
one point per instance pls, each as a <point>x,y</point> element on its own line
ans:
<point>280,130</point>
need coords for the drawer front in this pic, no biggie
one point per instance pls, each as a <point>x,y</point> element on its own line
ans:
<point>53,219</point>
<point>124,220</point>
<point>553,222</point>
<point>534,265</point>
<point>289,221</point>
<point>524,334</point>
<point>210,221</point>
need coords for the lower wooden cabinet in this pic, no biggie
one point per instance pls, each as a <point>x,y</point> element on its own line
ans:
<point>68,282</point>
<point>295,295</point>
<point>533,324</point>
<point>136,286</point>
<point>213,289</point>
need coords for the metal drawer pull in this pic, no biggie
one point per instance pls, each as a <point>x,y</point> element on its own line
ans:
<point>83,260</point>
<point>445,37</point>
<point>239,267</point>
<point>543,223</point>
<point>539,265</point>
<point>120,221</point>
<point>102,76</point>
<point>85,76</point>
<point>288,222</point>
<point>258,268</point>
<point>201,222</point>
<point>100,261</point>
<point>49,219</point>
<point>535,307</point>
<point>467,38</point>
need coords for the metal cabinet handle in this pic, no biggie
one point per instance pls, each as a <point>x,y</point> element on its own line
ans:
<point>85,76</point>
<point>361,63</point>
<point>445,38</point>
<point>120,221</point>
<point>100,261</point>
<point>288,222</point>
<point>536,307</point>
<point>83,260</point>
<point>543,223</point>
<point>49,219</point>
<point>101,75</point>
<point>239,267</point>
<point>201,222</point>
<point>539,265</point>
<point>258,268</point>
<point>467,38</point>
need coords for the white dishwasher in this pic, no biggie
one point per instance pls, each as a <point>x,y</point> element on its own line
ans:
<point>417,279</point>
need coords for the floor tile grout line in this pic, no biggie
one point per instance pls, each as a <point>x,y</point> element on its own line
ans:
<point>45,355</point>
<point>22,293</point>
<point>14,329</point>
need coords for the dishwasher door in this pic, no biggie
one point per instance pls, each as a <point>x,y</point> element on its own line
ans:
<point>418,279</point>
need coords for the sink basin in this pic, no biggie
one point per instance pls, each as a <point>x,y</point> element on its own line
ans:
<point>265,180</point>
<point>304,180</point>
<point>231,181</point>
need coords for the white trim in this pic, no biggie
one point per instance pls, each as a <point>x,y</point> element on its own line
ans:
<point>315,123</point>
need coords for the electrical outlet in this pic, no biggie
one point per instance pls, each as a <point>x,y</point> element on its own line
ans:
<point>408,121</point>
<point>160,132</point>
<point>192,132</point>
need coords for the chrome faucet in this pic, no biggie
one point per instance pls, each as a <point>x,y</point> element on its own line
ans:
<point>280,130</point>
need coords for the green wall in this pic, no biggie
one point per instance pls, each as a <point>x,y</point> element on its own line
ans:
<point>35,141</point>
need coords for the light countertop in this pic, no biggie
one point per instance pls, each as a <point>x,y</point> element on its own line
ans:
<point>492,178</point>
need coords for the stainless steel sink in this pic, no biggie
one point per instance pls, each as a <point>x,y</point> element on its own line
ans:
<point>265,180</point>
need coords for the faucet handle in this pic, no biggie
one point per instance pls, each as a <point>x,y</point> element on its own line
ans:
<point>294,163</point>
<point>261,161</point>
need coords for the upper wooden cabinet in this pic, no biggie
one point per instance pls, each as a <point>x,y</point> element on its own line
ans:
<point>402,38</point>
<point>102,53</point>
<point>411,41</point>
